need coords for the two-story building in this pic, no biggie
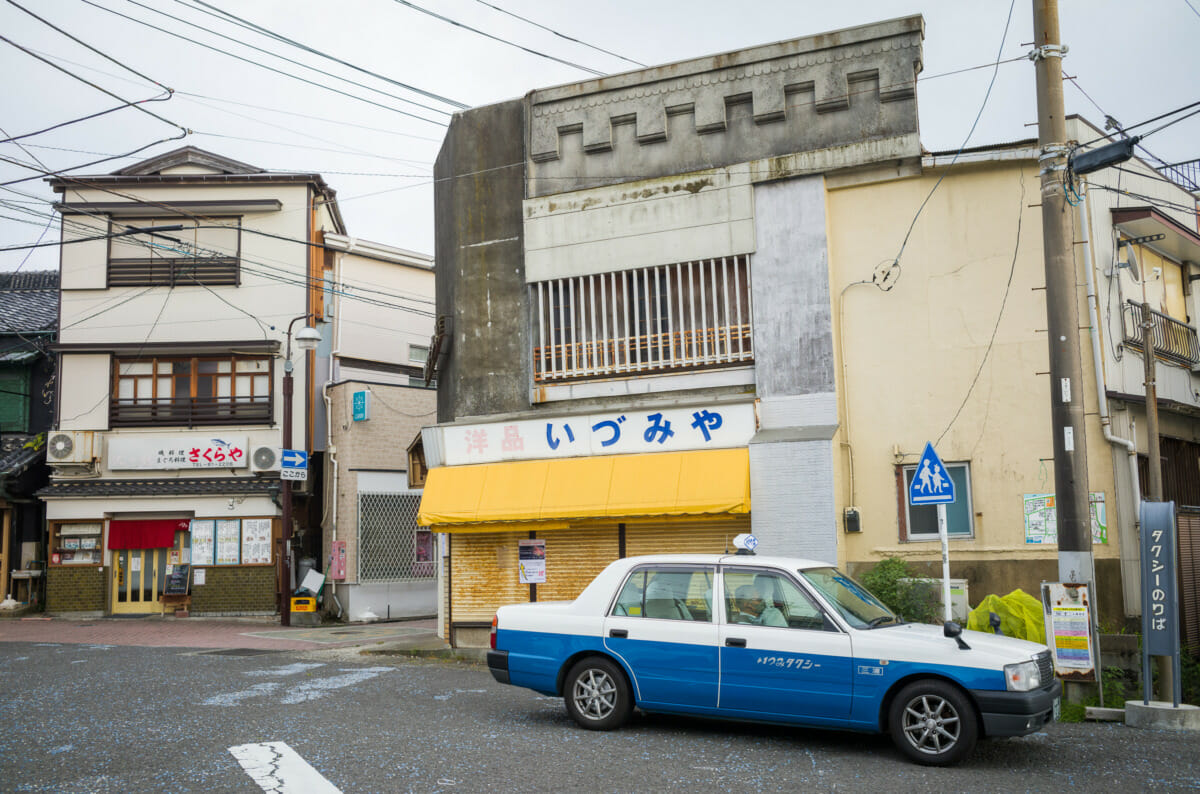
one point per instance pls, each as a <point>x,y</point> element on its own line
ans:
<point>182,277</point>
<point>688,304</point>
<point>28,323</point>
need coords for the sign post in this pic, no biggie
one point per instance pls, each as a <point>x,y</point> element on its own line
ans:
<point>293,465</point>
<point>931,485</point>
<point>1160,596</point>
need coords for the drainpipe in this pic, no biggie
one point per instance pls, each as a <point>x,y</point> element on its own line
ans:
<point>1101,395</point>
<point>330,449</point>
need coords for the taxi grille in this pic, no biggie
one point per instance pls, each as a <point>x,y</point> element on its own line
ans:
<point>1045,667</point>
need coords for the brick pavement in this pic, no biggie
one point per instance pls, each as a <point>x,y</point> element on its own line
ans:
<point>172,632</point>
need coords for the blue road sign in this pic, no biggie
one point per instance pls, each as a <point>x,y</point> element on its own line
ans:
<point>931,483</point>
<point>293,459</point>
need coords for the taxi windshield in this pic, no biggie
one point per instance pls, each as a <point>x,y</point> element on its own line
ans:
<point>852,601</point>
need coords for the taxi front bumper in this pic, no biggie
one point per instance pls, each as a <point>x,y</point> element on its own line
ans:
<point>1017,713</point>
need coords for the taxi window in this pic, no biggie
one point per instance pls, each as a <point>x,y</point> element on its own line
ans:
<point>769,599</point>
<point>675,593</point>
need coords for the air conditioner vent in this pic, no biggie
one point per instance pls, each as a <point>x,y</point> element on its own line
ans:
<point>71,446</point>
<point>264,459</point>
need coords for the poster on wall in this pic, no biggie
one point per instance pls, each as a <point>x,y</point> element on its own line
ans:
<point>229,542</point>
<point>531,556</point>
<point>1041,519</point>
<point>203,542</point>
<point>1068,629</point>
<point>256,540</point>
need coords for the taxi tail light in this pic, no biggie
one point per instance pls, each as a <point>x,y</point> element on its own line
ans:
<point>492,636</point>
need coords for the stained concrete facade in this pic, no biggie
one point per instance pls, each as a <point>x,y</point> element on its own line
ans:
<point>721,156</point>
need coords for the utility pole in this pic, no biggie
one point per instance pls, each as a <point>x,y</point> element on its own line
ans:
<point>1062,307</point>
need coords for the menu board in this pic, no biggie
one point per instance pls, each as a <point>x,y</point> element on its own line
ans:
<point>203,542</point>
<point>256,540</point>
<point>229,542</point>
<point>177,580</point>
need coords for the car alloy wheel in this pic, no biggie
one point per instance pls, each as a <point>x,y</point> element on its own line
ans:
<point>597,694</point>
<point>933,723</point>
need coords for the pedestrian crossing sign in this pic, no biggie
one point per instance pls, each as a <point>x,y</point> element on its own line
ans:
<point>931,483</point>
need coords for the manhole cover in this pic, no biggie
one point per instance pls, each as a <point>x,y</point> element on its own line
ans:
<point>237,652</point>
<point>345,632</point>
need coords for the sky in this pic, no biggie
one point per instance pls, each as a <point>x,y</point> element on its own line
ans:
<point>1130,60</point>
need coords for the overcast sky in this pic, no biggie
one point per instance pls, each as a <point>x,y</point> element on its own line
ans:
<point>1131,58</point>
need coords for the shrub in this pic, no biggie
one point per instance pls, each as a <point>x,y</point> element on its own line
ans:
<point>913,601</point>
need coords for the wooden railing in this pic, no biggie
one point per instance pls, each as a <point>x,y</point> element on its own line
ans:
<point>655,352</point>
<point>190,412</point>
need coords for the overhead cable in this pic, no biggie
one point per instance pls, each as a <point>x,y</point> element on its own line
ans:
<point>485,34</point>
<point>556,33</point>
<point>262,65</point>
<point>306,48</point>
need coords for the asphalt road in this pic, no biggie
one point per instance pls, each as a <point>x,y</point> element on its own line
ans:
<point>108,718</point>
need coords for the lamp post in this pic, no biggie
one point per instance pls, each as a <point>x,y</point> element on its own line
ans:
<point>307,338</point>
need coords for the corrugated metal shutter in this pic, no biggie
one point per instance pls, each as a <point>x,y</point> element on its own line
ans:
<point>573,558</point>
<point>1188,523</point>
<point>484,575</point>
<point>683,537</point>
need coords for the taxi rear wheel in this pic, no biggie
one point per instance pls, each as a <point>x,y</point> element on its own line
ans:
<point>933,723</point>
<point>597,694</point>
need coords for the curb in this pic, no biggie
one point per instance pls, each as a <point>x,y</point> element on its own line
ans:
<point>469,655</point>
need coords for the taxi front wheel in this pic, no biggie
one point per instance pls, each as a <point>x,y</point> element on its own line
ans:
<point>597,694</point>
<point>933,723</point>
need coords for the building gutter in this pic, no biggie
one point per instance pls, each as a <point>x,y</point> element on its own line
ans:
<point>1101,391</point>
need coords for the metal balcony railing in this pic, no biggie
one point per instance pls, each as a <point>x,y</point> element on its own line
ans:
<point>1185,174</point>
<point>190,412</point>
<point>1173,341</point>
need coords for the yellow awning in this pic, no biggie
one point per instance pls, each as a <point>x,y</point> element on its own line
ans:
<point>497,496</point>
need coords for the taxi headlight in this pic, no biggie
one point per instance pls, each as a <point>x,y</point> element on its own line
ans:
<point>1022,676</point>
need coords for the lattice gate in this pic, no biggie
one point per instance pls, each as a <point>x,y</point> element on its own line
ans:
<point>391,547</point>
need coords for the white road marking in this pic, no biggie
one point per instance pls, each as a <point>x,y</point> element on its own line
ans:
<point>233,698</point>
<point>291,669</point>
<point>279,769</point>
<point>319,688</point>
<point>451,694</point>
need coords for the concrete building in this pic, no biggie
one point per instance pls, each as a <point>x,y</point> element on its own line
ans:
<point>378,562</point>
<point>687,304</point>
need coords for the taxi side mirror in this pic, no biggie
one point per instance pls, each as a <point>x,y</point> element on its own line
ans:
<point>952,629</point>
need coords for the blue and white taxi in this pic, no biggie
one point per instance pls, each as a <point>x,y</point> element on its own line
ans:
<point>771,639</point>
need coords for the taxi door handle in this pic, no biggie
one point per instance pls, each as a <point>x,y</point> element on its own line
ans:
<point>735,642</point>
<point>618,633</point>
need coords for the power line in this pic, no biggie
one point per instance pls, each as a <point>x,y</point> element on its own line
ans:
<point>1150,121</point>
<point>306,48</point>
<point>485,34</point>
<point>82,165</point>
<point>82,43</point>
<point>262,65</point>
<point>281,57</point>
<point>560,35</point>
<point>974,124</point>
<point>136,105</point>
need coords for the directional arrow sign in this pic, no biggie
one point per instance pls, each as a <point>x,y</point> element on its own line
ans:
<point>931,483</point>
<point>293,465</point>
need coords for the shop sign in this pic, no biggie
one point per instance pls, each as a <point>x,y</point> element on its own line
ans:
<point>177,452</point>
<point>614,433</point>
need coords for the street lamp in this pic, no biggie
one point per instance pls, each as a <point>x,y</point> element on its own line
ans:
<point>307,338</point>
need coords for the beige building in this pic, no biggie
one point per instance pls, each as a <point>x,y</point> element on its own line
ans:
<point>181,278</point>
<point>952,350</point>
<point>377,561</point>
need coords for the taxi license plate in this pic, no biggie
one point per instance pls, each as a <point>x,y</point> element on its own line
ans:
<point>1057,709</point>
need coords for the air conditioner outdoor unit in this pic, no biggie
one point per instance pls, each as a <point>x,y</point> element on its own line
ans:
<point>71,446</point>
<point>264,459</point>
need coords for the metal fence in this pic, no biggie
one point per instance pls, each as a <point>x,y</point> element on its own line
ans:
<point>1173,341</point>
<point>391,547</point>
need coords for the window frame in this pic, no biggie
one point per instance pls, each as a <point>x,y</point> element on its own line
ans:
<point>962,494</point>
<point>170,271</point>
<point>645,570</point>
<point>14,377</point>
<point>155,411</point>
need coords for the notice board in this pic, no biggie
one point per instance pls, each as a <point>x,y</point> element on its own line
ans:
<point>178,580</point>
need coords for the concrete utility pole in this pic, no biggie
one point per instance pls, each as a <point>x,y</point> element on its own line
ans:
<point>1062,307</point>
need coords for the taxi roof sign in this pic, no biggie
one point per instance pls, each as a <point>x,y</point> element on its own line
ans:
<point>931,483</point>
